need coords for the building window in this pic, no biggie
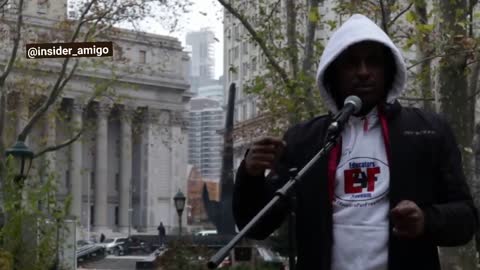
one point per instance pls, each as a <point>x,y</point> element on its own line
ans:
<point>116,215</point>
<point>244,112</point>
<point>42,6</point>
<point>254,64</point>
<point>235,76</point>
<point>244,69</point>
<point>263,59</point>
<point>117,181</point>
<point>92,180</point>
<point>142,57</point>
<point>245,47</point>
<point>229,34</point>
<point>117,146</point>
<point>253,111</point>
<point>236,32</point>
<point>92,214</point>
<point>235,53</point>
<point>68,183</point>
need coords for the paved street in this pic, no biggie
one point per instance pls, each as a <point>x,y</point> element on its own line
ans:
<point>112,262</point>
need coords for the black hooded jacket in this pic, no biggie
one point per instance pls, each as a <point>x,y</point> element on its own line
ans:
<point>425,167</point>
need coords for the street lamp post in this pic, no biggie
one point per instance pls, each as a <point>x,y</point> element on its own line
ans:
<point>22,158</point>
<point>179,200</point>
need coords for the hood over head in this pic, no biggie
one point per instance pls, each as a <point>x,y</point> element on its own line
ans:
<point>358,29</point>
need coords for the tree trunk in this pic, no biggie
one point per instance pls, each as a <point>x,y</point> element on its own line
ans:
<point>3,109</point>
<point>454,92</point>
<point>424,51</point>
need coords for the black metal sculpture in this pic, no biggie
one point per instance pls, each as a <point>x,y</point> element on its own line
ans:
<point>220,213</point>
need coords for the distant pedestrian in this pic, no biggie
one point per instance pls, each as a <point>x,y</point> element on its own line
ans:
<point>161,234</point>
<point>102,238</point>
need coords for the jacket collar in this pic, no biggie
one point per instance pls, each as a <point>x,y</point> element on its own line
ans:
<point>390,110</point>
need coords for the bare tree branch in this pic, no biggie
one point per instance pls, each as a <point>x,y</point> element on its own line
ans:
<point>59,84</point>
<point>415,99</point>
<point>309,45</point>
<point>439,55</point>
<point>273,10</point>
<point>3,3</point>
<point>69,141</point>
<point>471,6</point>
<point>384,17</point>
<point>400,14</point>
<point>61,145</point>
<point>292,36</point>
<point>271,60</point>
<point>16,43</point>
<point>471,97</point>
<point>310,38</point>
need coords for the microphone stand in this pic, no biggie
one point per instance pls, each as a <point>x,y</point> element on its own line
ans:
<point>331,140</point>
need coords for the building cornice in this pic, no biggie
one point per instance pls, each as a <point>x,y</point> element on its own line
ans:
<point>122,34</point>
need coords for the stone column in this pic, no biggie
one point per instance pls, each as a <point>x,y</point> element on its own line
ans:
<point>101,169</point>
<point>51,134</point>
<point>76,163</point>
<point>125,195</point>
<point>22,113</point>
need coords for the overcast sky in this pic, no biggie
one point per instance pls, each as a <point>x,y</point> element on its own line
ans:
<point>203,13</point>
<point>207,13</point>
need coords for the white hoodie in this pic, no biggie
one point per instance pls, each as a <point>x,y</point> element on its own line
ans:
<point>360,203</point>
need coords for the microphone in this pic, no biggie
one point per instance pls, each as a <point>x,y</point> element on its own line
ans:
<point>352,105</point>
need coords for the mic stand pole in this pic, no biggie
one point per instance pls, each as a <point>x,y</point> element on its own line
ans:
<point>292,220</point>
<point>284,192</point>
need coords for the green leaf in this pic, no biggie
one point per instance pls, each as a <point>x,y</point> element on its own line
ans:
<point>411,16</point>
<point>313,16</point>
<point>426,28</point>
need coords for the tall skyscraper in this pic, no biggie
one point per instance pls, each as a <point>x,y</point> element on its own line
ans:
<point>202,62</point>
<point>205,144</point>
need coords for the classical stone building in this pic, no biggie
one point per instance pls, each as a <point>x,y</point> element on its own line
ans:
<point>131,159</point>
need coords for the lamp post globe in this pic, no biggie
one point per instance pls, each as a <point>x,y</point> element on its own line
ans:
<point>179,200</point>
<point>22,158</point>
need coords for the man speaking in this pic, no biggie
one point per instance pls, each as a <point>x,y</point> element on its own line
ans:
<point>388,194</point>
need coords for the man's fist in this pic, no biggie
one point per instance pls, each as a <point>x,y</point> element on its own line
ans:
<point>263,154</point>
<point>408,220</point>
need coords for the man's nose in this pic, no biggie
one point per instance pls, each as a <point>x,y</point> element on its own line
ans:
<point>363,69</point>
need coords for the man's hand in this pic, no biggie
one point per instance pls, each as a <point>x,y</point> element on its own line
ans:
<point>263,154</point>
<point>408,220</point>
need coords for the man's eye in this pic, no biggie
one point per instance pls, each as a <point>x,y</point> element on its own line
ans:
<point>375,60</point>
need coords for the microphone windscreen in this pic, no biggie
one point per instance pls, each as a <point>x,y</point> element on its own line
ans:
<point>355,101</point>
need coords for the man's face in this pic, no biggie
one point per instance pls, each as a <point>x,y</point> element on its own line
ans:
<point>360,70</point>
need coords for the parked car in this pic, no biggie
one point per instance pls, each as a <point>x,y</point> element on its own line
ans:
<point>81,243</point>
<point>206,232</point>
<point>111,243</point>
<point>131,246</point>
<point>88,250</point>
